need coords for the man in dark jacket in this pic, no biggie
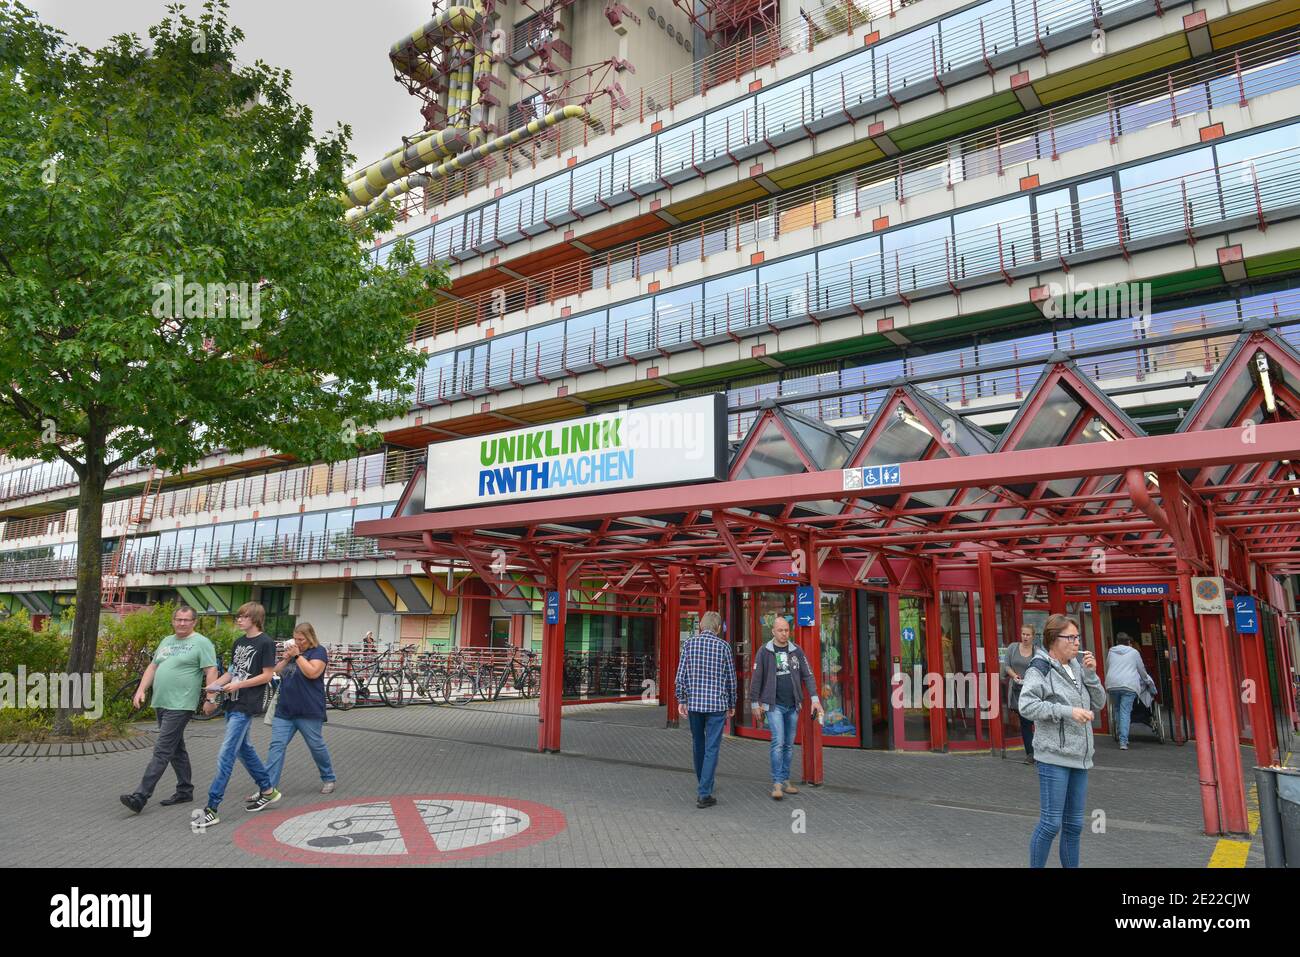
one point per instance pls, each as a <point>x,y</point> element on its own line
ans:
<point>781,670</point>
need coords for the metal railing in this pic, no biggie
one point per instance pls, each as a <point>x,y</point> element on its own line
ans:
<point>1237,77</point>
<point>1254,192</point>
<point>1194,340</point>
<point>294,485</point>
<point>855,86</point>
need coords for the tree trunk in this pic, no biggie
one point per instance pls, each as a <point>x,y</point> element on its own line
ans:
<point>85,625</point>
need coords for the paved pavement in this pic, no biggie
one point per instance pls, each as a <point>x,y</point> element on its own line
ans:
<point>622,794</point>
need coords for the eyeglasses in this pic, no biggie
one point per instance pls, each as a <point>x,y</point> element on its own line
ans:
<point>1075,638</point>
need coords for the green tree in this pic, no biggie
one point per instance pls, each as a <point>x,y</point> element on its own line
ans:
<point>132,172</point>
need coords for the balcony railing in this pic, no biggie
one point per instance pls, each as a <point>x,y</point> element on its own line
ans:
<point>288,485</point>
<point>1265,67</point>
<point>994,34</point>
<point>282,550</point>
<point>1245,194</point>
<point>1192,340</point>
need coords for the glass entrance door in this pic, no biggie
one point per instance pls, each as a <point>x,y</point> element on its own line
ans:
<point>839,683</point>
<point>965,688</point>
<point>763,609</point>
<point>875,651</point>
<point>1144,623</point>
<point>500,636</point>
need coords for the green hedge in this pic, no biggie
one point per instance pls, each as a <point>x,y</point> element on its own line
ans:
<point>124,649</point>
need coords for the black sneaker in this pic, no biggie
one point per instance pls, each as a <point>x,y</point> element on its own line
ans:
<point>133,801</point>
<point>205,820</point>
<point>263,800</point>
<point>177,799</point>
<point>706,801</point>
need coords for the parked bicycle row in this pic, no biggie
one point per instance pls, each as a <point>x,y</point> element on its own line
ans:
<point>591,674</point>
<point>401,676</point>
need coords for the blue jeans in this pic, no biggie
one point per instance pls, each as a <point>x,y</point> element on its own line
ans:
<point>237,744</point>
<point>706,738</point>
<point>1062,792</point>
<point>1123,712</point>
<point>783,723</point>
<point>282,732</point>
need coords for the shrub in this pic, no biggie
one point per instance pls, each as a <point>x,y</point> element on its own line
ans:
<point>42,651</point>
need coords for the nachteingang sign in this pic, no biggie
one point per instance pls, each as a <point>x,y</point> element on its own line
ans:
<point>668,444</point>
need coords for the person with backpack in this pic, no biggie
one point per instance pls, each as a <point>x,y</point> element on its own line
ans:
<point>1018,656</point>
<point>1061,697</point>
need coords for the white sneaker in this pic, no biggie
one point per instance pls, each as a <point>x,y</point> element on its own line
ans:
<point>328,787</point>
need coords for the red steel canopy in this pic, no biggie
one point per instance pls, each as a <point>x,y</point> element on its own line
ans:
<point>1072,485</point>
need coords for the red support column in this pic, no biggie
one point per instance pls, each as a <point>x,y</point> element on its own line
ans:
<point>548,706</point>
<point>1226,728</point>
<point>1197,677</point>
<point>670,647</point>
<point>1056,598</point>
<point>1264,734</point>
<point>897,715</point>
<point>934,660</point>
<point>809,639</point>
<point>989,634</point>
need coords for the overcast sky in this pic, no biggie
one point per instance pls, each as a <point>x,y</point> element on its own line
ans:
<point>337,52</point>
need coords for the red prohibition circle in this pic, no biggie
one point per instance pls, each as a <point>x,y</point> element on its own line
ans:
<point>258,835</point>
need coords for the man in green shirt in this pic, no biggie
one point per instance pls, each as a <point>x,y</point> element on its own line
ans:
<point>184,662</point>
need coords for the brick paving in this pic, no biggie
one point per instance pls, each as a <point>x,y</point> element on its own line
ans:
<point>625,789</point>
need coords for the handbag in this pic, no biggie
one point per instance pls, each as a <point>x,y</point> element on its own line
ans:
<point>273,698</point>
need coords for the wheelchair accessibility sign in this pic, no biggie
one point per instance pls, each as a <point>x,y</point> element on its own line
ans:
<point>399,829</point>
<point>873,476</point>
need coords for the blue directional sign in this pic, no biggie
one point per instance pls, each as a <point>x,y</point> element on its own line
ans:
<point>1243,607</point>
<point>552,607</point>
<point>805,607</point>
<point>909,634</point>
<point>881,476</point>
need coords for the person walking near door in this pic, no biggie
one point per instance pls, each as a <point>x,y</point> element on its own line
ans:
<point>1019,654</point>
<point>706,696</point>
<point>1126,678</point>
<point>781,671</point>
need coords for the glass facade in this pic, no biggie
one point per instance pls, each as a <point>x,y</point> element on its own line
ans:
<point>1142,203</point>
<point>904,67</point>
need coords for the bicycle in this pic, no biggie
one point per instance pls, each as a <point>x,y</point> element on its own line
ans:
<point>517,673</point>
<point>346,689</point>
<point>462,682</point>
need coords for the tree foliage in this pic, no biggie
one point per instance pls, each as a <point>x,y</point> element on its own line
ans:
<point>128,166</point>
<point>134,172</point>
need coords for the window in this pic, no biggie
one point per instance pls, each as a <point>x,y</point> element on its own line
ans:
<point>584,339</point>
<point>729,303</point>
<point>677,315</point>
<point>992,237</point>
<point>729,128</point>
<point>631,327</point>
<point>784,288</point>
<point>849,273</point>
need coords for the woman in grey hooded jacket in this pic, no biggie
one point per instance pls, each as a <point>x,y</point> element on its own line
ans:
<point>1060,697</point>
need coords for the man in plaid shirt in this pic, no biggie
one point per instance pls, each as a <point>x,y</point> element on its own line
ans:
<point>706,695</point>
